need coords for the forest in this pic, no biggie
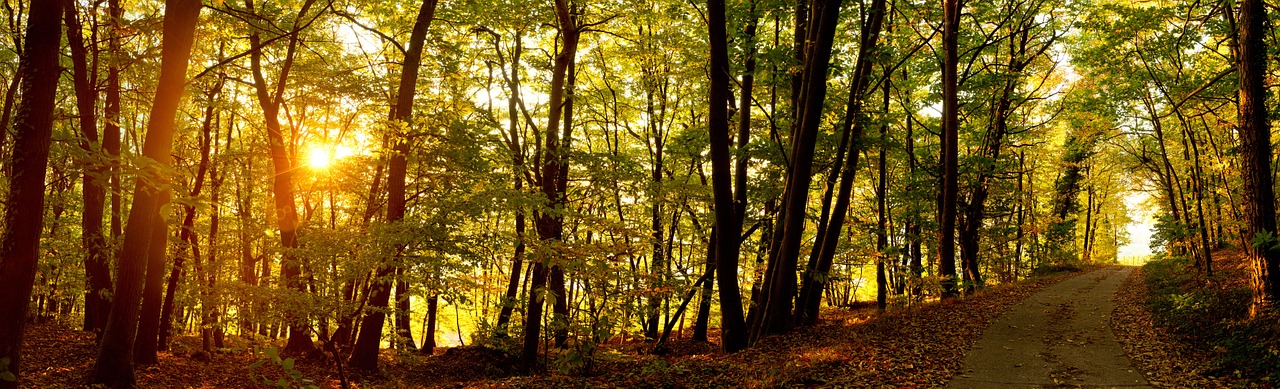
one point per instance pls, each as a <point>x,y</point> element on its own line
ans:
<point>351,193</point>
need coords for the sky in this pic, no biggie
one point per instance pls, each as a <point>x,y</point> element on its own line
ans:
<point>1140,228</point>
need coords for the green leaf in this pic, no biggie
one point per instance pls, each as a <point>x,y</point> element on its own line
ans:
<point>282,383</point>
<point>8,376</point>
<point>287,364</point>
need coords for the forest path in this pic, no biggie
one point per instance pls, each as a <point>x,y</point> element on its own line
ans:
<point>1058,337</point>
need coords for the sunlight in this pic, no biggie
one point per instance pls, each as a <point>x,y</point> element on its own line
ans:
<point>321,157</point>
<point>1138,250</point>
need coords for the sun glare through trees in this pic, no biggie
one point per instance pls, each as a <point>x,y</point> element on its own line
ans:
<point>637,193</point>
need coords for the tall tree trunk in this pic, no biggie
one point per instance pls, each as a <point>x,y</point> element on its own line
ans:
<point>733,329</point>
<point>187,231</point>
<point>882,217</point>
<point>282,179</point>
<point>517,177</point>
<point>365,354</point>
<point>950,131</point>
<point>97,270</point>
<point>24,216</point>
<point>1255,154</point>
<point>111,123</point>
<point>114,364</point>
<point>146,341</point>
<point>550,223</point>
<point>780,278</point>
<point>816,272</point>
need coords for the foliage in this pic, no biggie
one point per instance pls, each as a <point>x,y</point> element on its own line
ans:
<point>292,377</point>
<point>1213,317</point>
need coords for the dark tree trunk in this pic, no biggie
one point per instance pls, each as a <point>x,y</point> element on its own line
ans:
<point>97,270</point>
<point>779,290</point>
<point>146,342</point>
<point>948,162</point>
<point>429,338</point>
<point>550,225</point>
<point>704,300</point>
<point>1255,153</point>
<point>24,216</point>
<point>282,179</point>
<point>882,219</point>
<point>816,271</point>
<point>365,354</point>
<point>111,122</point>
<point>114,364</point>
<point>404,334</point>
<point>187,231</point>
<point>517,172</point>
<point>733,329</point>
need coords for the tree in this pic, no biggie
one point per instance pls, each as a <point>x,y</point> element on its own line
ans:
<point>775,299</point>
<point>23,219</point>
<point>1255,156</point>
<point>733,328</point>
<point>114,364</point>
<point>282,183</point>
<point>365,354</point>
<point>948,158</point>
<point>97,271</point>
<point>554,172</point>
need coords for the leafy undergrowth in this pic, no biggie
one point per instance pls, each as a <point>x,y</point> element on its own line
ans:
<point>918,347</point>
<point>1183,331</point>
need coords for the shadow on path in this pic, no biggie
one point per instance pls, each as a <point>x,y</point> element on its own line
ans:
<point>1058,338</point>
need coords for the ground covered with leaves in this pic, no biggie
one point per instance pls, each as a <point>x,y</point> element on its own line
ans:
<point>1183,330</point>
<point>921,346</point>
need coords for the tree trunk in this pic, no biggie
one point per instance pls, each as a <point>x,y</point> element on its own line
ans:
<point>733,329</point>
<point>24,216</point>
<point>780,279</point>
<point>1255,154</point>
<point>950,131</point>
<point>550,225</point>
<point>146,342</point>
<point>282,179</point>
<point>114,364</point>
<point>816,272</point>
<point>97,270</point>
<point>365,354</point>
<point>404,334</point>
<point>187,231</point>
<point>517,177</point>
<point>882,218</point>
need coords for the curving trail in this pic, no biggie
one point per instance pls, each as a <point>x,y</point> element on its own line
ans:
<point>1059,337</point>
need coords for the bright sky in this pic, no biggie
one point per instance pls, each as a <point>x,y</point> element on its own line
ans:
<point>1140,229</point>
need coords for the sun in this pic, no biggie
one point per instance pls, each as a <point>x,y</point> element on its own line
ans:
<point>323,156</point>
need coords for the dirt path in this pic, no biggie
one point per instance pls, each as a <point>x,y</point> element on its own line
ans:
<point>1059,337</point>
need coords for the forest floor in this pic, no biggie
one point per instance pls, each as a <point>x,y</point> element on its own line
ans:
<point>920,346</point>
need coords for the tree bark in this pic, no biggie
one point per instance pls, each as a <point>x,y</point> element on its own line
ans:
<point>950,131</point>
<point>114,364</point>
<point>365,354</point>
<point>780,279</point>
<point>282,179</point>
<point>97,270</point>
<point>1255,154</point>
<point>146,341</point>
<point>733,329</point>
<point>816,272</point>
<point>24,216</point>
<point>550,224</point>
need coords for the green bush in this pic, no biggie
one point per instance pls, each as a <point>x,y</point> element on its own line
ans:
<point>1214,319</point>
